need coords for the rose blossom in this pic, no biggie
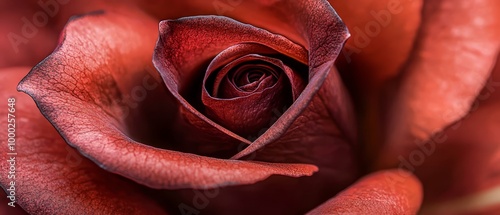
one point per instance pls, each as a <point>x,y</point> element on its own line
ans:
<point>175,127</point>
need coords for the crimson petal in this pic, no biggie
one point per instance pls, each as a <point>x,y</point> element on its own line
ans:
<point>247,112</point>
<point>32,28</point>
<point>50,176</point>
<point>460,168</point>
<point>186,46</point>
<point>323,48</point>
<point>453,56</point>
<point>81,92</point>
<point>385,192</point>
<point>215,34</point>
<point>230,54</point>
<point>306,133</point>
<point>383,33</point>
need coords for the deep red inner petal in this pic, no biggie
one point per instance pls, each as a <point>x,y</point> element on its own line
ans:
<point>245,92</point>
<point>251,77</point>
<point>247,84</point>
<point>251,73</point>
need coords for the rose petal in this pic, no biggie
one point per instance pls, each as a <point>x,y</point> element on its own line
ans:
<point>485,202</point>
<point>187,45</point>
<point>271,13</point>
<point>80,92</point>
<point>383,33</point>
<point>387,192</point>
<point>312,139</point>
<point>231,54</point>
<point>31,29</point>
<point>245,113</point>
<point>324,40</point>
<point>456,49</point>
<point>218,34</point>
<point>50,177</point>
<point>233,85</point>
<point>460,166</point>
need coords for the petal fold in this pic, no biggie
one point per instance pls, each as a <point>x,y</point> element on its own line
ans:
<point>52,178</point>
<point>82,92</point>
<point>456,49</point>
<point>386,192</point>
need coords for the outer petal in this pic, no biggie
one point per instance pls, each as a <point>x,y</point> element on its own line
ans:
<point>456,49</point>
<point>387,192</point>
<point>30,29</point>
<point>383,33</point>
<point>460,167</point>
<point>50,176</point>
<point>459,42</point>
<point>271,12</point>
<point>82,91</point>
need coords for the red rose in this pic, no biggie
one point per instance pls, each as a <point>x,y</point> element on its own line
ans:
<point>254,117</point>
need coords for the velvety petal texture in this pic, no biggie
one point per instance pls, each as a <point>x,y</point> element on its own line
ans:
<point>187,45</point>
<point>30,29</point>
<point>385,192</point>
<point>383,33</point>
<point>456,48</point>
<point>91,86</point>
<point>185,48</point>
<point>444,120</point>
<point>323,47</point>
<point>106,102</point>
<point>215,34</point>
<point>318,128</point>
<point>230,117</point>
<point>49,176</point>
<point>460,166</point>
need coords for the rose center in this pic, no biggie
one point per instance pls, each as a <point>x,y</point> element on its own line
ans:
<point>245,92</point>
<point>250,77</point>
<point>249,74</point>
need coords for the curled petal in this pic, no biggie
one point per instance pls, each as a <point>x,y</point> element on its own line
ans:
<point>247,112</point>
<point>82,93</point>
<point>324,46</point>
<point>459,166</point>
<point>386,192</point>
<point>306,132</point>
<point>320,118</point>
<point>51,177</point>
<point>184,48</point>
<point>324,41</point>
